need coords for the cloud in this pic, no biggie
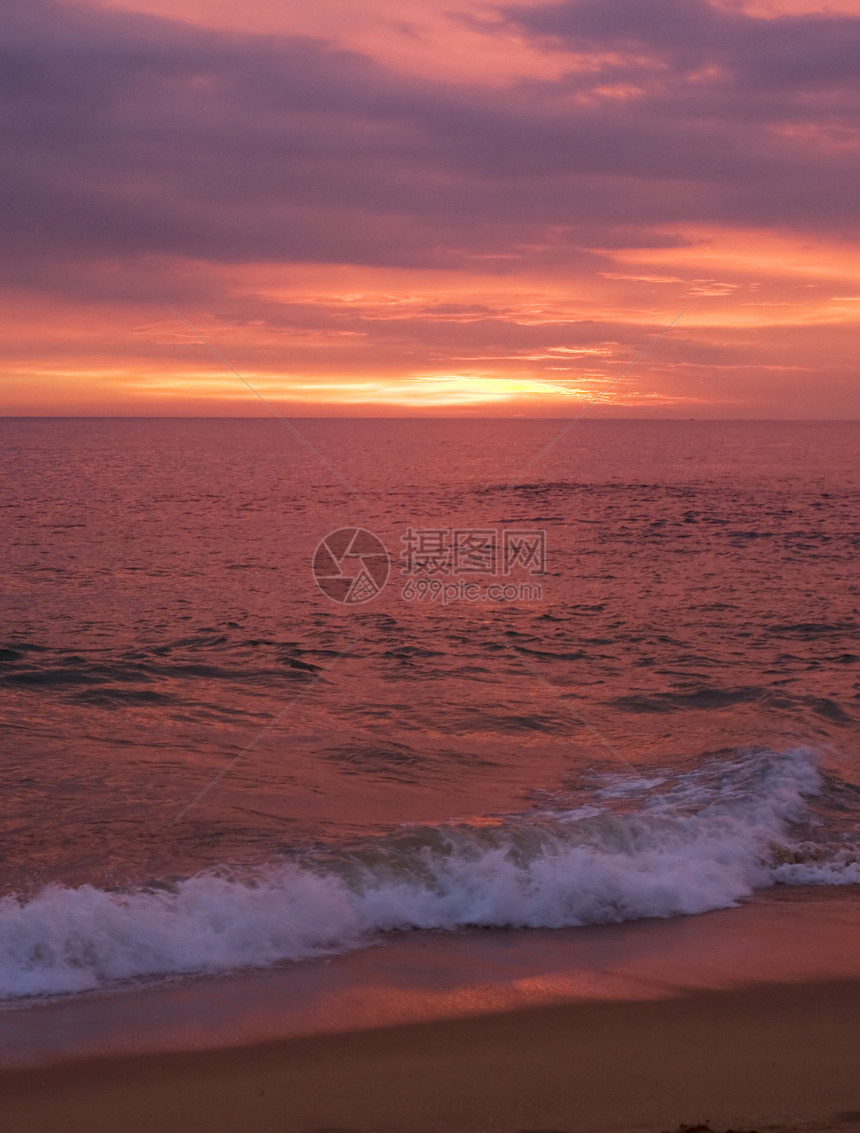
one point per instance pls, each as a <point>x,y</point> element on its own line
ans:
<point>130,136</point>
<point>332,215</point>
<point>791,53</point>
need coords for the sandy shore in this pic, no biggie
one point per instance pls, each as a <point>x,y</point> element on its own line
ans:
<point>779,1056</point>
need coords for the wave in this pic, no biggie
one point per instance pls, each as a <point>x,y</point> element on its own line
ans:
<point>26,664</point>
<point>702,840</point>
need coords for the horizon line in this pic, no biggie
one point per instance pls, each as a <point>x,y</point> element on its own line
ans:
<point>406,417</point>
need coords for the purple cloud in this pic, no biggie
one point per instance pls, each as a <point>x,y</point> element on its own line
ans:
<point>128,137</point>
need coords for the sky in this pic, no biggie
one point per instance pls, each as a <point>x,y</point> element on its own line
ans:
<point>407,207</point>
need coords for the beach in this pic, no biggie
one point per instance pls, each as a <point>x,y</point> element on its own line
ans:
<point>728,1020</point>
<point>751,1058</point>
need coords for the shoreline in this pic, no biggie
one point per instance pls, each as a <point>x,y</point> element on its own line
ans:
<point>781,937</point>
<point>742,1019</point>
<point>784,1056</point>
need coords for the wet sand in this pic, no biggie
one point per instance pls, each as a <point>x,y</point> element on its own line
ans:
<point>778,1056</point>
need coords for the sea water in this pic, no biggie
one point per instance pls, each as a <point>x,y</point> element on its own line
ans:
<point>616,682</point>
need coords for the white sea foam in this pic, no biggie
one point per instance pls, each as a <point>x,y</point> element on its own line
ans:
<point>710,839</point>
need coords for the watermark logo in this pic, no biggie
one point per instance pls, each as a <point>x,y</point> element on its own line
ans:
<point>464,552</point>
<point>448,591</point>
<point>351,566</point>
<point>472,564</point>
<point>438,564</point>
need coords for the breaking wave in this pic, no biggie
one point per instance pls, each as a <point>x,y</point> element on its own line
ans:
<point>674,845</point>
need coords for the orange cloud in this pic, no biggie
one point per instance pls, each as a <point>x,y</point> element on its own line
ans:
<point>384,208</point>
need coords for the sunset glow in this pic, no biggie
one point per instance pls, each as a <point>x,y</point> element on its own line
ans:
<point>382,208</point>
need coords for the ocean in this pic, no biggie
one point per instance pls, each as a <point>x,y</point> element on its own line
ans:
<point>270,698</point>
